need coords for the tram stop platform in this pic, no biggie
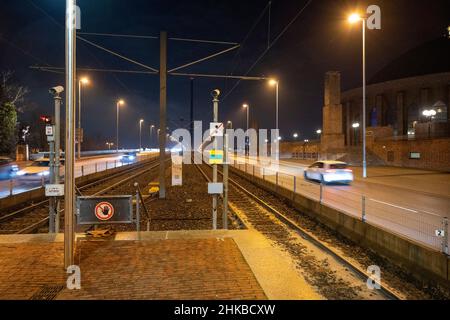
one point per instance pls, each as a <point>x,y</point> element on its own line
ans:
<point>169,265</point>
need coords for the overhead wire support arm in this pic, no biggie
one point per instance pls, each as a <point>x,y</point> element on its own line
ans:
<point>117,35</point>
<point>205,58</point>
<point>117,55</point>
<point>204,41</point>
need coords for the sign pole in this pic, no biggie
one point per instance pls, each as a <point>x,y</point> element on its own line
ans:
<point>225,181</point>
<point>216,119</point>
<point>52,200</point>
<point>162,113</point>
<point>69,183</point>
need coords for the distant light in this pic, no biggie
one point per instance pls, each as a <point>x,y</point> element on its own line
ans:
<point>279,138</point>
<point>142,120</point>
<point>120,102</point>
<point>267,140</point>
<point>429,113</point>
<point>306,140</point>
<point>84,80</point>
<point>245,105</point>
<point>273,82</point>
<point>355,125</point>
<point>354,17</point>
<point>295,135</point>
<point>319,131</point>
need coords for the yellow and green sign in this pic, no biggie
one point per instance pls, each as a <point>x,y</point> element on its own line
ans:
<point>216,157</point>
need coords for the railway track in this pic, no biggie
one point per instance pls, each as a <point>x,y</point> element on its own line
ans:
<point>34,217</point>
<point>335,275</point>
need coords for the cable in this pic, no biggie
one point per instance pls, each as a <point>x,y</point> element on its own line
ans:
<point>270,46</point>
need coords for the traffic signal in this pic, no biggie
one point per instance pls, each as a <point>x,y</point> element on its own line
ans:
<point>45,119</point>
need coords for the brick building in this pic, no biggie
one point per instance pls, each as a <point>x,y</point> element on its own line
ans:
<point>397,96</point>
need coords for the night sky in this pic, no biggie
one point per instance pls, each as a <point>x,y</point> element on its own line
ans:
<point>32,33</point>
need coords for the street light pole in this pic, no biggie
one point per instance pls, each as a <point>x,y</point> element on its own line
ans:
<point>364,97</point>
<point>119,103</point>
<point>140,134</point>
<point>80,83</point>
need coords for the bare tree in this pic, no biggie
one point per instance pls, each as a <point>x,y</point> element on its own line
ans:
<point>10,92</point>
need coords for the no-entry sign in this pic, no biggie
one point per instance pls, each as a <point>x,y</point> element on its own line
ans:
<point>104,210</point>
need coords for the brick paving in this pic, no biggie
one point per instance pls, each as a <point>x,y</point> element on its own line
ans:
<point>154,269</point>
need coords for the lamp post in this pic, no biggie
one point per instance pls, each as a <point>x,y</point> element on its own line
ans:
<point>429,114</point>
<point>82,81</point>
<point>246,106</point>
<point>118,104</point>
<point>140,133</point>
<point>151,134</point>
<point>295,135</point>
<point>355,18</point>
<point>355,127</point>
<point>276,83</point>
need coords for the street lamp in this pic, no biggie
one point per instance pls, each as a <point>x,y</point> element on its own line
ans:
<point>140,133</point>
<point>275,83</point>
<point>355,126</point>
<point>82,81</point>
<point>118,104</point>
<point>247,138</point>
<point>429,114</point>
<point>109,144</point>
<point>151,134</point>
<point>295,135</point>
<point>246,106</point>
<point>355,18</point>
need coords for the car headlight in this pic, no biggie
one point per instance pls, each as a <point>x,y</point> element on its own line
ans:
<point>20,173</point>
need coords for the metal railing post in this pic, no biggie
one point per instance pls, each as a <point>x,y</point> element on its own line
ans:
<point>11,187</point>
<point>253,170</point>
<point>264,177</point>
<point>295,184</point>
<point>42,181</point>
<point>96,167</point>
<point>106,166</point>
<point>115,164</point>
<point>363,208</point>
<point>445,249</point>
<point>138,215</point>
<point>276,178</point>
<point>82,171</point>
<point>321,193</point>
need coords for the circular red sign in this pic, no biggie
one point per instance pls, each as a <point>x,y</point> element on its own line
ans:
<point>104,211</point>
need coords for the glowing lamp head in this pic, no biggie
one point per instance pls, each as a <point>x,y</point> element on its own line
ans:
<point>355,125</point>
<point>245,105</point>
<point>84,81</point>
<point>319,131</point>
<point>295,135</point>
<point>120,102</point>
<point>273,82</point>
<point>141,121</point>
<point>354,18</point>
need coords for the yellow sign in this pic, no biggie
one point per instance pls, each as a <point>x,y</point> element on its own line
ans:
<point>216,156</point>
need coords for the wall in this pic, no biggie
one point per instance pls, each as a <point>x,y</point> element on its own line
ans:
<point>434,153</point>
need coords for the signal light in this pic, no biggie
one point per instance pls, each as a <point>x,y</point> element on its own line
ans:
<point>45,119</point>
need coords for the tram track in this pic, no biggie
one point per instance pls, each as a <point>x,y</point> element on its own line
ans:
<point>268,217</point>
<point>32,218</point>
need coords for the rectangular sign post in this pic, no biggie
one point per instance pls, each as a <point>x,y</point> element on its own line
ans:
<point>105,210</point>
<point>216,156</point>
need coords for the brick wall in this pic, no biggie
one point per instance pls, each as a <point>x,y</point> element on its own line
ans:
<point>434,153</point>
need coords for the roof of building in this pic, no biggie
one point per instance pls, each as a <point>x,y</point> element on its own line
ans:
<point>428,58</point>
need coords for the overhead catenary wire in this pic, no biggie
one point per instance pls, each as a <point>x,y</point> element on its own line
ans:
<point>269,47</point>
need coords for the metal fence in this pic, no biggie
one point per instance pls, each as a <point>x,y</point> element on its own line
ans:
<point>422,227</point>
<point>19,185</point>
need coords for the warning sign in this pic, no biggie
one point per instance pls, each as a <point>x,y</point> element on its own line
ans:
<point>216,156</point>
<point>216,129</point>
<point>104,211</point>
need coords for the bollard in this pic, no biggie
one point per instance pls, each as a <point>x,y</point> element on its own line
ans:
<point>82,171</point>
<point>11,187</point>
<point>363,203</point>
<point>445,238</point>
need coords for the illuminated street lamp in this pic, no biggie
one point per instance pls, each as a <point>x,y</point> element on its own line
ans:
<point>118,104</point>
<point>275,83</point>
<point>429,114</point>
<point>355,126</point>
<point>246,106</point>
<point>140,133</point>
<point>355,18</point>
<point>151,134</point>
<point>295,135</point>
<point>109,144</point>
<point>82,81</point>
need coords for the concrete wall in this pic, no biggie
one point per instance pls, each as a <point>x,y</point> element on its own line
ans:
<point>421,262</point>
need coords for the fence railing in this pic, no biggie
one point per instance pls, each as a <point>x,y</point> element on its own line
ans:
<point>422,227</point>
<point>24,184</point>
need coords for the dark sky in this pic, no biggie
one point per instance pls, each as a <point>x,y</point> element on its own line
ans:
<point>32,33</point>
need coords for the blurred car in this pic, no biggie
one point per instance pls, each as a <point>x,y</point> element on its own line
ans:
<point>8,169</point>
<point>128,157</point>
<point>37,170</point>
<point>329,172</point>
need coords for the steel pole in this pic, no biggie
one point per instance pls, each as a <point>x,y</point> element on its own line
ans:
<point>216,119</point>
<point>140,136</point>
<point>276,105</point>
<point>117,128</point>
<point>57,154</point>
<point>79,119</point>
<point>364,98</point>
<point>162,113</point>
<point>69,183</point>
